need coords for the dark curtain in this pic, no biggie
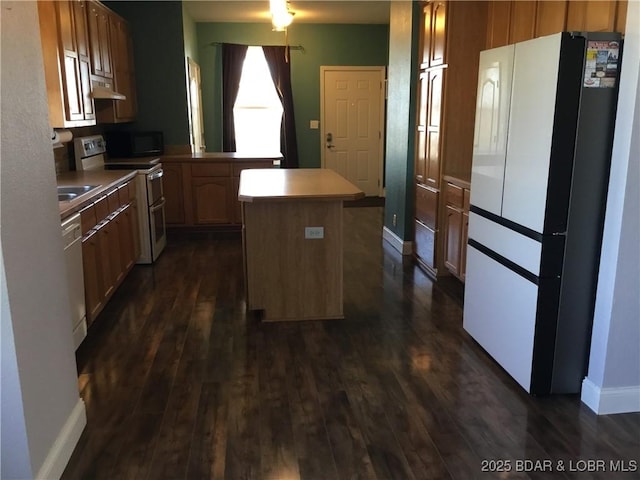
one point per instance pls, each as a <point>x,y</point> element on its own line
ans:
<point>232,62</point>
<point>280,68</point>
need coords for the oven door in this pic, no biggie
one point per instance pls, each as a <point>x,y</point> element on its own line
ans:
<point>157,229</point>
<point>154,186</point>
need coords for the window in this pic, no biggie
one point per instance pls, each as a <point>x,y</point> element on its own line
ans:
<point>257,111</point>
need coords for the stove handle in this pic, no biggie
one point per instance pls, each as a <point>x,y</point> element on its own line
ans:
<point>157,206</point>
<point>156,175</point>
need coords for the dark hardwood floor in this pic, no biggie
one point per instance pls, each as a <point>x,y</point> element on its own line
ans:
<point>181,383</point>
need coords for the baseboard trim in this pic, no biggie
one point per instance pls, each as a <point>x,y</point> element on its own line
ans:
<point>405,248</point>
<point>62,448</point>
<point>604,401</point>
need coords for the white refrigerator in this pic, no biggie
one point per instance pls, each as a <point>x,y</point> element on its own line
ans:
<point>542,149</point>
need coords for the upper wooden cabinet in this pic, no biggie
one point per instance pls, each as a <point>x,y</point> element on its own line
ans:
<point>515,21</point>
<point>453,34</point>
<point>123,75</point>
<point>67,65</point>
<point>99,35</point>
<point>434,34</point>
<point>84,42</point>
<point>523,21</point>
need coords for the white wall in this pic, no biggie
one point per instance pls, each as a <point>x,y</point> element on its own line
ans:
<point>613,382</point>
<point>48,409</point>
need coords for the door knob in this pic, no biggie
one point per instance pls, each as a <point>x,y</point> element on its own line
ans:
<point>329,139</point>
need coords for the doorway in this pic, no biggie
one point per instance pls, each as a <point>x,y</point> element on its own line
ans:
<point>196,128</point>
<point>352,124</point>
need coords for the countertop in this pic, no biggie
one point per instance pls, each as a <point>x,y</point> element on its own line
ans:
<point>296,183</point>
<point>219,157</point>
<point>457,181</point>
<point>105,179</point>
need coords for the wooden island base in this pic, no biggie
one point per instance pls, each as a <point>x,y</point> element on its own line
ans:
<point>290,273</point>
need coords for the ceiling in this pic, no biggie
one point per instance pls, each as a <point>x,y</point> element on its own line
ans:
<point>306,11</point>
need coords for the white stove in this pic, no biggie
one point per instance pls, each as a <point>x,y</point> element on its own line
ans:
<point>90,154</point>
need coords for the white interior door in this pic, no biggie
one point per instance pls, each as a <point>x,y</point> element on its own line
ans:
<point>352,120</point>
<point>196,125</point>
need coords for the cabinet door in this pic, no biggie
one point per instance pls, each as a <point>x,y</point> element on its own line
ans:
<point>84,58</point>
<point>498,24</point>
<point>621,15</point>
<point>173,194</point>
<point>124,79</point>
<point>91,264</point>
<point>135,230</point>
<point>125,237</point>
<point>72,83</point>
<point>438,34</point>
<point>591,16</point>
<point>551,17</point>
<point>424,244</point>
<point>211,200</point>
<point>421,131</point>
<point>523,21</point>
<point>426,35</point>
<point>105,234</point>
<point>99,36</point>
<point>452,239</point>
<point>434,116</point>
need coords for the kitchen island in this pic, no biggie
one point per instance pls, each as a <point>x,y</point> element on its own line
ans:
<point>293,241</point>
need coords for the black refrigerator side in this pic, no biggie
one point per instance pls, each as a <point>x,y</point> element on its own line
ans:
<point>585,222</point>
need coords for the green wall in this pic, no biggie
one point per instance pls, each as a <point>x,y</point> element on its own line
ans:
<point>401,111</point>
<point>159,49</point>
<point>336,44</point>
<point>190,36</point>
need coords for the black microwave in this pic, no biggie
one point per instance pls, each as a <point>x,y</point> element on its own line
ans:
<point>134,144</point>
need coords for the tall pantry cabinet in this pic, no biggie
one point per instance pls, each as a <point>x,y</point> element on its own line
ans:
<point>453,34</point>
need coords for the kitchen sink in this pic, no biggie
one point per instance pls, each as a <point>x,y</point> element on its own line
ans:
<point>75,190</point>
<point>65,197</point>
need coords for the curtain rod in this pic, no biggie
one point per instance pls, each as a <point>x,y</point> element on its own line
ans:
<point>292,47</point>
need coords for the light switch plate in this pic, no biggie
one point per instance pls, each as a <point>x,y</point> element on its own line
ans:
<point>313,233</point>
<point>314,124</point>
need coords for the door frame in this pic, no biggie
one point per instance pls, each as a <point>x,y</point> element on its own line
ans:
<point>193,73</point>
<point>382,70</point>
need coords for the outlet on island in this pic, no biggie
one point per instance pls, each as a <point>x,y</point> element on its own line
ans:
<point>313,233</point>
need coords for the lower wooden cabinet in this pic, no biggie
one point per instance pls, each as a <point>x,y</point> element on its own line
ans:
<point>204,193</point>
<point>456,224</point>
<point>212,198</point>
<point>92,267</point>
<point>110,245</point>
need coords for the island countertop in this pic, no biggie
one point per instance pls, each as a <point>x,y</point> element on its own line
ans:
<point>220,157</point>
<point>296,183</point>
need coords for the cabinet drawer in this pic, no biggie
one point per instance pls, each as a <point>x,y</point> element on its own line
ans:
<point>102,209</point>
<point>427,205</point>
<point>123,194</point>
<point>113,200</point>
<point>424,244</point>
<point>211,170</point>
<point>245,166</point>
<point>454,195</point>
<point>88,218</point>
<point>467,199</point>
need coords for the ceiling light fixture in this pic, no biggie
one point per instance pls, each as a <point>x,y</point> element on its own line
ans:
<point>281,16</point>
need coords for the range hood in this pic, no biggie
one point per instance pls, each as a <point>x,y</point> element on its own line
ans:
<point>104,90</point>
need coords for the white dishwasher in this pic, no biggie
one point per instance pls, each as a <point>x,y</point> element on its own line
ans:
<point>72,239</point>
